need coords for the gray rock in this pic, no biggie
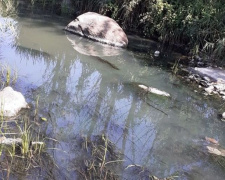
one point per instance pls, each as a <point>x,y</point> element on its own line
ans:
<point>209,89</point>
<point>205,93</point>
<point>215,92</point>
<point>204,83</point>
<point>11,102</point>
<point>156,54</point>
<point>222,93</point>
<point>194,77</point>
<point>214,74</point>
<point>220,87</point>
<point>191,77</point>
<point>206,78</point>
<point>99,28</point>
<point>223,115</point>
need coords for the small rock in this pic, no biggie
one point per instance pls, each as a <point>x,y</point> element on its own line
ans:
<point>191,77</point>
<point>215,92</point>
<point>198,80</point>
<point>196,76</point>
<point>206,78</point>
<point>220,87</point>
<point>223,97</point>
<point>209,89</point>
<point>199,86</point>
<point>222,93</point>
<point>11,102</point>
<point>204,83</point>
<point>205,93</point>
<point>220,80</point>
<point>223,115</point>
<point>156,54</point>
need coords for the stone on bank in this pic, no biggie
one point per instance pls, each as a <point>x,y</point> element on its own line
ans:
<point>99,28</point>
<point>11,102</point>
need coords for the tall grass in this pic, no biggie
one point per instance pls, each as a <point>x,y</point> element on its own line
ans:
<point>20,138</point>
<point>198,26</point>
<point>8,7</point>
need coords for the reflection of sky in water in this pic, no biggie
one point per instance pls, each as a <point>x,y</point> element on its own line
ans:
<point>27,67</point>
<point>80,95</point>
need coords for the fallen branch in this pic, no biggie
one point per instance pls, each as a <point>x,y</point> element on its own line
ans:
<point>154,90</point>
<point>216,150</point>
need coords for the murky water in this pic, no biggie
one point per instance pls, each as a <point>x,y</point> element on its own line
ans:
<point>86,89</point>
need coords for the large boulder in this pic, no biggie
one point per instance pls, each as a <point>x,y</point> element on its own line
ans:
<point>11,102</point>
<point>99,28</point>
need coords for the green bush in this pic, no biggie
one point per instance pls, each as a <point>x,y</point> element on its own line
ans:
<point>200,25</point>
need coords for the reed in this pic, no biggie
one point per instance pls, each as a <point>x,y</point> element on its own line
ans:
<point>8,75</point>
<point>99,159</point>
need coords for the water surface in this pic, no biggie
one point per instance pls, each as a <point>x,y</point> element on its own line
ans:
<point>87,90</point>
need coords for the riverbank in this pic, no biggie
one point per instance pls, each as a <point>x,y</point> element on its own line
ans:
<point>197,29</point>
<point>94,109</point>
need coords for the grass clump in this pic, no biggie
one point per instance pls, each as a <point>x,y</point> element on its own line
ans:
<point>98,159</point>
<point>8,75</point>
<point>21,146</point>
<point>195,26</point>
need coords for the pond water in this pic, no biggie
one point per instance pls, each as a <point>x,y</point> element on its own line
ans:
<point>89,90</point>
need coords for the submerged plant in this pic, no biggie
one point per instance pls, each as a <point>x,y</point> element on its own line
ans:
<point>99,159</point>
<point>20,146</point>
<point>26,139</point>
<point>175,66</point>
<point>8,76</point>
<point>36,106</point>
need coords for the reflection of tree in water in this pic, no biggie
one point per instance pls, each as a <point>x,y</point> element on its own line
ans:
<point>89,101</point>
<point>34,54</point>
<point>79,97</point>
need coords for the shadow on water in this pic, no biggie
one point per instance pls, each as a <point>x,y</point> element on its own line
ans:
<point>83,98</point>
<point>32,52</point>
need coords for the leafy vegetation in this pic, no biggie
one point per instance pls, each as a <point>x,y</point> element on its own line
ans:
<point>196,26</point>
<point>20,145</point>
